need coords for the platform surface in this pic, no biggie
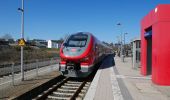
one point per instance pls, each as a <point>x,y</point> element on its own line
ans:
<point>122,82</point>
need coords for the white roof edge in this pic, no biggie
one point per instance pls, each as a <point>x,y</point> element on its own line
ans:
<point>135,39</point>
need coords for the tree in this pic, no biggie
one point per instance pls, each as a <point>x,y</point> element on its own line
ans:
<point>61,40</point>
<point>28,38</point>
<point>65,36</point>
<point>7,36</point>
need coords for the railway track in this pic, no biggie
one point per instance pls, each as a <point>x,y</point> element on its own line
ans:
<point>60,88</point>
<point>67,89</point>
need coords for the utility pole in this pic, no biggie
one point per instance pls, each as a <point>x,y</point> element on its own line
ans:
<point>121,47</point>
<point>122,56</point>
<point>124,43</point>
<point>22,37</point>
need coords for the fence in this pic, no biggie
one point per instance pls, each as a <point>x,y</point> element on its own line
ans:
<point>10,68</point>
<point>32,68</point>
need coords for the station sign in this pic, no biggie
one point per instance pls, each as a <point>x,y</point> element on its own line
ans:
<point>148,34</point>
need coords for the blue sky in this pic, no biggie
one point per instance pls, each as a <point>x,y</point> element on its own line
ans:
<point>53,19</point>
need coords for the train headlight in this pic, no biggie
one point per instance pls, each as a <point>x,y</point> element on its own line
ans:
<point>63,59</point>
<point>85,59</point>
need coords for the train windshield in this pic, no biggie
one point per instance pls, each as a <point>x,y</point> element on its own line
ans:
<point>77,40</point>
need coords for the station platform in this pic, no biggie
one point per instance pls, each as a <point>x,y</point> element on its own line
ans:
<point>10,91</point>
<point>117,80</point>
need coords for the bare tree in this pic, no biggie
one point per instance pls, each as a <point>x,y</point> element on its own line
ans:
<point>7,36</point>
<point>65,36</point>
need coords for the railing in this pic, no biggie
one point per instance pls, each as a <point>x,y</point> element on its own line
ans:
<point>10,68</point>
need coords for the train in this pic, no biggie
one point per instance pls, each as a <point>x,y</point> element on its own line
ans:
<point>79,53</point>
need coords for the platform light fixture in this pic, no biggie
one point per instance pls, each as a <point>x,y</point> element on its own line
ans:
<point>124,42</point>
<point>121,47</point>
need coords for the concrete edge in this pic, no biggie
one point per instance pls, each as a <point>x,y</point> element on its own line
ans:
<point>92,89</point>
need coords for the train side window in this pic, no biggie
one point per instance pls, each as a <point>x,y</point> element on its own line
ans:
<point>96,47</point>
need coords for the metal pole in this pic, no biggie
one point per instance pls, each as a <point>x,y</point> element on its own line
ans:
<point>51,64</point>
<point>122,56</point>
<point>121,33</point>
<point>12,73</point>
<point>124,43</point>
<point>22,37</point>
<point>124,40</point>
<point>37,67</point>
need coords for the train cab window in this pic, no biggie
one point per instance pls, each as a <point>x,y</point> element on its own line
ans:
<point>77,41</point>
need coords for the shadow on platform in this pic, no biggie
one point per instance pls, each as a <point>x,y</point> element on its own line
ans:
<point>108,62</point>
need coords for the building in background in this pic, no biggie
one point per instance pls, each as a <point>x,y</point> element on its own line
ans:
<point>37,42</point>
<point>54,43</point>
<point>136,46</point>
<point>4,41</point>
<point>40,42</point>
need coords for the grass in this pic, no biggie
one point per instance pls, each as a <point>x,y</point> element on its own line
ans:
<point>12,54</point>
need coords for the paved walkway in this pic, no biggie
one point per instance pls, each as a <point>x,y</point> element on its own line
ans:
<point>104,85</point>
<point>122,82</point>
<point>140,87</point>
<point>106,89</point>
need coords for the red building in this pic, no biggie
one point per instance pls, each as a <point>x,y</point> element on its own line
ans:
<point>155,44</point>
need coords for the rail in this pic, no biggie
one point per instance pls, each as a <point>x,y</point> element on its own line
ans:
<point>78,91</point>
<point>67,89</point>
<point>48,92</point>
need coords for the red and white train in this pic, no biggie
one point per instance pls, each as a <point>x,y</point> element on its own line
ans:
<point>79,53</point>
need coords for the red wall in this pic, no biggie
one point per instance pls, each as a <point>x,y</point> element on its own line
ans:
<point>160,22</point>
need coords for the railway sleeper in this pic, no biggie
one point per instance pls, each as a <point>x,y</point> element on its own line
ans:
<point>70,84</point>
<point>83,91</point>
<point>81,95</point>
<point>85,88</point>
<point>57,98</point>
<point>74,82</point>
<point>64,90</point>
<point>79,98</point>
<point>87,85</point>
<point>59,93</point>
<point>68,87</point>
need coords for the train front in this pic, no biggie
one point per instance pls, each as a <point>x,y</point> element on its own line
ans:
<point>77,55</point>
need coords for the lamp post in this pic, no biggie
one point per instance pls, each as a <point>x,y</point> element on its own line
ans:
<point>124,44</point>
<point>22,37</point>
<point>121,47</point>
<point>118,42</point>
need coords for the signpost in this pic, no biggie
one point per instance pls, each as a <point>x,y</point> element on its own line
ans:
<point>22,41</point>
